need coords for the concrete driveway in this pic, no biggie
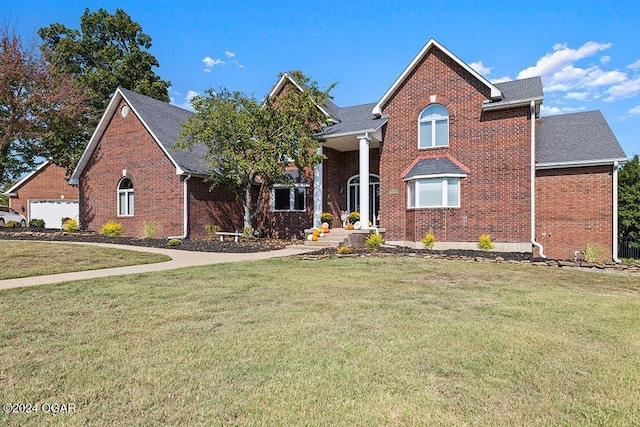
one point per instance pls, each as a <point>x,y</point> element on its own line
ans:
<point>179,259</point>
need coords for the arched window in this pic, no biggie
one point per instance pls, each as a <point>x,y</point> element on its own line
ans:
<point>433,127</point>
<point>125,197</point>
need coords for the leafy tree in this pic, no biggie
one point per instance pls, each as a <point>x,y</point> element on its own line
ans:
<point>108,51</point>
<point>629,199</point>
<point>250,142</point>
<point>43,111</point>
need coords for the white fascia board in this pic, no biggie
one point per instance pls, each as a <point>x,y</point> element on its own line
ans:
<point>12,190</point>
<point>375,131</point>
<point>579,163</point>
<point>97,134</point>
<point>437,175</point>
<point>281,83</point>
<point>495,92</point>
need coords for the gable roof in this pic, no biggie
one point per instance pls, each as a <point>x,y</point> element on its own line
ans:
<point>354,120</point>
<point>517,92</point>
<point>496,93</point>
<point>12,191</point>
<point>434,166</point>
<point>577,139</point>
<point>162,120</point>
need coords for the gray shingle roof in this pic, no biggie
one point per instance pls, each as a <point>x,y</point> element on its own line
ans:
<point>165,122</point>
<point>575,138</point>
<point>357,118</point>
<point>434,166</point>
<point>517,91</point>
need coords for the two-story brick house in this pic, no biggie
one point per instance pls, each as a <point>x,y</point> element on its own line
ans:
<point>443,149</point>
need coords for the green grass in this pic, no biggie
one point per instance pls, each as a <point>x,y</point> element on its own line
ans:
<point>26,259</point>
<point>368,342</point>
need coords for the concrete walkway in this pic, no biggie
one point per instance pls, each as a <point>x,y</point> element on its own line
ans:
<point>179,259</point>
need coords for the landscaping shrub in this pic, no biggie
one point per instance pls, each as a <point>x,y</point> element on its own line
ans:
<point>593,252</point>
<point>112,229</point>
<point>12,224</point>
<point>429,240</point>
<point>174,242</point>
<point>36,223</point>
<point>374,241</point>
<point>485,243</point>
<point>70,225</point>
<point>148,229</point>
<point>212,230</point>
<point>345,250</point>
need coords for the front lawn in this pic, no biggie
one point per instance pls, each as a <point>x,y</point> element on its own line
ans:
<point>26,259</point>
<point>375,341</point>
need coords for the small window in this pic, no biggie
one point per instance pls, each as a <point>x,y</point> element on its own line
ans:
<point>433,127</point>
<point>125,197</point>
<point>433,193</point>
<point>289,198</point>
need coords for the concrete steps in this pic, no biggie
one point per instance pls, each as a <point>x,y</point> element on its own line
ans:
<point>336,237</point>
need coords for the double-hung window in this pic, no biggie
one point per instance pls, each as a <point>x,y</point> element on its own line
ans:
<point>440,192</point>
<point>433,127</point>
<point>125,197</point>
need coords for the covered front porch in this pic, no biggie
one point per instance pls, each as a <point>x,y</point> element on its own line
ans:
<point>348,179</point>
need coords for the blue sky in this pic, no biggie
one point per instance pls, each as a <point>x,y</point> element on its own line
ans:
<point>587,52</point>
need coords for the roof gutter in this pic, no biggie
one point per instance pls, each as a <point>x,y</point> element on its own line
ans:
<point>614,249</point>
<point>506,104</point>
<point>533,181</point>
<point>185,204</point>
<point>578,164</point>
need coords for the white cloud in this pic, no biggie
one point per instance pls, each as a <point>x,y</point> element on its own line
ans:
<point>184,101</point>
<point>578,96</point>
<point>553,110</point>
<point>481,68</point>
<point>230,54</point>
<point>605,59</point>
<point>501,79</point>
<point>560,58</point>
<point>635,111</point>
<point>635,66</point>
<point>238,64</point>
<point>210,62</point>
<point>623,90</point>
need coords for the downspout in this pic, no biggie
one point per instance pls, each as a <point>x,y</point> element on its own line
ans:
<point>185,203</point>
<point>615,213</point>
<point>533,181</point>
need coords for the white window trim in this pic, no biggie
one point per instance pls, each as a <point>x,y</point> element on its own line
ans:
<point>444,193</point>
<point>272,202</point>
<point>433,128</point>
<point>125,191</point>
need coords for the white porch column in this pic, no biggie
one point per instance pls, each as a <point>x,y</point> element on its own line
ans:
<point>364,180</point>
<point>317,191</point>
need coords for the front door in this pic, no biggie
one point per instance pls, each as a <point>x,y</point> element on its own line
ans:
<point>353,197</point>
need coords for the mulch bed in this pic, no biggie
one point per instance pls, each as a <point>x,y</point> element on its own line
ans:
<point>245,245</point>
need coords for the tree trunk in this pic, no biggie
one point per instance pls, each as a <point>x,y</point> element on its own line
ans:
<point>247,206</point>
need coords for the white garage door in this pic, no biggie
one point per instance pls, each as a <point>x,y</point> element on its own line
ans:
<point>52,211</point>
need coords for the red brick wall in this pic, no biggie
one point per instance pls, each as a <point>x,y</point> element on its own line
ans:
<point>574,207</point>
<point>212,206</point>
<point>339,166</point>
<point>48,184</point>
<point>126,144</point>
<point>494,146</point>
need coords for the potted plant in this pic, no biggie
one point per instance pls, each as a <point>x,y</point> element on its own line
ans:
<point>353,217</point>
<point>326,217</point>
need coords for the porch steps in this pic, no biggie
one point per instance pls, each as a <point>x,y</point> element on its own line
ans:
<point>337,237</point>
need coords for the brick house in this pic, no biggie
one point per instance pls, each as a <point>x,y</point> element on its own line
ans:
<point>45,194</point>
<point>443,149</point>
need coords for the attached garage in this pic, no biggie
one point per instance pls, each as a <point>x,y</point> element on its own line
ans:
<point>52,211</point>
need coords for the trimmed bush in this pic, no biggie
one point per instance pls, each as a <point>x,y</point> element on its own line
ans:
<point>429,240</point>
<point>112,229</point>
<point>36,223</point>
<point>344,250</point>
<point>70,225</point>
<point>174,242</point>
<point>374,241</point>
<point>485,243</point>
<point>12,224</point>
